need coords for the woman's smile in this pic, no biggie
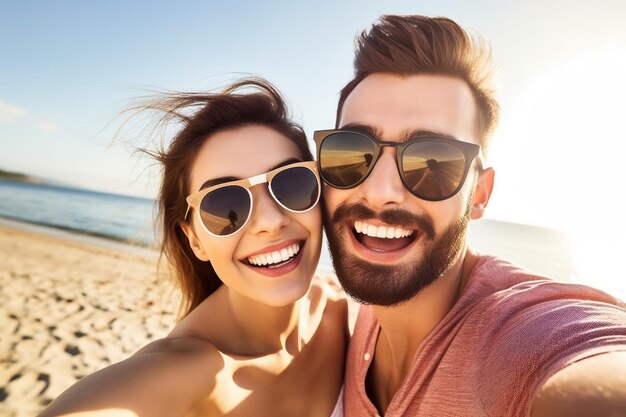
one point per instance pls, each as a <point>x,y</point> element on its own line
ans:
<point>277,260</point>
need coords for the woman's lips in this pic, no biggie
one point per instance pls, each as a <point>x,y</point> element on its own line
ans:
<point>278,268</point>
<point>276,247</point>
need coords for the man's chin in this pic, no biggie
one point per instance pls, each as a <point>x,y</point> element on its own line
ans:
<point>370,281</point>
<point>389,274</point>
<point>395,277</point>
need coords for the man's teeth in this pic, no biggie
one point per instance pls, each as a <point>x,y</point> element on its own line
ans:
<point>381,231</point>
<point>275,257</point>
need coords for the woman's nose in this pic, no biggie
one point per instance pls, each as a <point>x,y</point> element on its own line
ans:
<point>267,216</point>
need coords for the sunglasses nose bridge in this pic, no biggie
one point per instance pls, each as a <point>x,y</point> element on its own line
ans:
<point>394,145</point>
<point>257,179</point>
<point>386,144</point>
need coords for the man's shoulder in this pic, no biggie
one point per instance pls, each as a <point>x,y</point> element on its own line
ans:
<point>524,327</point>
<point>498,281</point>
<point>507,298</point>
<point>495,273</point>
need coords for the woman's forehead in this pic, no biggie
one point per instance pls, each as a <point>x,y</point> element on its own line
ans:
<point>241,152</point>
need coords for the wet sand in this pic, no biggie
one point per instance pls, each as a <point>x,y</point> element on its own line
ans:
<point>68,308</point>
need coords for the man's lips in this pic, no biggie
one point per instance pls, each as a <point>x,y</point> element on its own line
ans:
<point>381,231</point>
<point>382,238</point>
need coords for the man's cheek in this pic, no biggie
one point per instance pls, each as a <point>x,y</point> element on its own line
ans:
<point>332,198</point>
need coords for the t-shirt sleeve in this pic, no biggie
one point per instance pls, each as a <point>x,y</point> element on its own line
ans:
<point>533,330</point>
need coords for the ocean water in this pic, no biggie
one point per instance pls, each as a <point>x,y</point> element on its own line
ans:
<point>130,219</point>
<point>111,216</point>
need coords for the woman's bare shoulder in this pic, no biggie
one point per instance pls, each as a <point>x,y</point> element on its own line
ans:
<point>327,286</point>
<point>181,345</point>
<point>327,290</point>
<point>327,297</point>
<point>190,360</point>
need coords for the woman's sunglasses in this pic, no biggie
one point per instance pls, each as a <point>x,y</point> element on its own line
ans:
<point>225,209</point>
<point>432,168</point>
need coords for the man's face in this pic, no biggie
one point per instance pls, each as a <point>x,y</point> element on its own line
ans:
<point>389,271</point>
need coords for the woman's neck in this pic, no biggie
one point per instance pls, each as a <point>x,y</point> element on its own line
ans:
<point>256,328</point>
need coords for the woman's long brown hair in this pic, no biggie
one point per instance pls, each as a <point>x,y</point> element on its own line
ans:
<point>248,101</point>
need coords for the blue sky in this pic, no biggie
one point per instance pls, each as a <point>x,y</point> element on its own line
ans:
<point>68,67</point>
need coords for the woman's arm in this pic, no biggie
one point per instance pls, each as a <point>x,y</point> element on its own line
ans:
<point>165,378</point>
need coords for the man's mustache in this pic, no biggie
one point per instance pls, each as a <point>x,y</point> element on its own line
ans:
<point>396,217</point>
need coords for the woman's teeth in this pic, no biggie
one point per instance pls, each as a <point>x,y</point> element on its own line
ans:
<point>275,257</point>
<point>381,231</point>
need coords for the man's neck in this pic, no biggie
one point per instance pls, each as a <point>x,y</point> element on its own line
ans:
<point>405,327</point>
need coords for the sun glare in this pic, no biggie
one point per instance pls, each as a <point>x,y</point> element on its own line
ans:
<point>568,149</point>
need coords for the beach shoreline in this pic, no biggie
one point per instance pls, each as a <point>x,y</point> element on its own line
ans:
<point>72,304</point>
<point>80,236</point>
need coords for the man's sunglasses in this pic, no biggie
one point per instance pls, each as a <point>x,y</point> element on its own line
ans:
<point>225,209</point>
<point>432,168</point>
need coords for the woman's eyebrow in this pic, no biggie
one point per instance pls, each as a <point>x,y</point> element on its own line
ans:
<point>221,180</point>
<point>286,162</point>
<point>215,181</point>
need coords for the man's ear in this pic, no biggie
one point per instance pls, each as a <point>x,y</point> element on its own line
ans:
<point>194,242</point>
<point>482,193</point>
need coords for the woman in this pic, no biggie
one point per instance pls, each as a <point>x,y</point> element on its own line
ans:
<point>242,233</point>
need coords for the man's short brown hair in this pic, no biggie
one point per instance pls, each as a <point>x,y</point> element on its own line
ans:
<point>410,45</point>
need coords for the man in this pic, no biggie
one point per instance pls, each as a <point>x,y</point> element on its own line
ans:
<point>446,331</point>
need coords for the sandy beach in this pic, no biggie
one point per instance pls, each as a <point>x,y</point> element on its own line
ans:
<point>68,308</point>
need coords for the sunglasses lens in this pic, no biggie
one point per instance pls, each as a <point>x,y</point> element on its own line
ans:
<point>296,188</point>
<point>433,170</point>
<point>345,158</point>
<point>225,210</point>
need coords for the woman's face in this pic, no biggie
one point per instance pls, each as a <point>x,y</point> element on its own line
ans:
<point>242,153</point>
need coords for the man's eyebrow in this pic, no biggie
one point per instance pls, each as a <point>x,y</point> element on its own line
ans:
<point>359,127</point>
<point>376,133</point>
<point>425,132</point>
<point>221,180</point>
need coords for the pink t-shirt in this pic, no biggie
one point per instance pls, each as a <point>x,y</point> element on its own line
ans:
<point>504,337</point>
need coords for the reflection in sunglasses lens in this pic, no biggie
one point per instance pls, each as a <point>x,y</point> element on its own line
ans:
<point>433,169</point>
<point>296,188</point>
<point>345,158</point>
<point>225,210</point>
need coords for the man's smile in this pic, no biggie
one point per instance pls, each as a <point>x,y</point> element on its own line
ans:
<point>382,243</point>
<point>388,232</point>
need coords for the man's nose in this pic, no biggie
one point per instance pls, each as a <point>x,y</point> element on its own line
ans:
<point>383,186</point>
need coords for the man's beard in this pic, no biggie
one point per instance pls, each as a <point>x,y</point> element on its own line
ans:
<point>391,285</point>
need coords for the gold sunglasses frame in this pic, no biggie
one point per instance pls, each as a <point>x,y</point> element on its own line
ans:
<point>194,199</point>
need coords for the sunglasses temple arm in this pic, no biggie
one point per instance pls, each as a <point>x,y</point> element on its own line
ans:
<point>480,158</point>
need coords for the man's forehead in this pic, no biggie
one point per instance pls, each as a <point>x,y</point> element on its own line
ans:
<point>395,107</point>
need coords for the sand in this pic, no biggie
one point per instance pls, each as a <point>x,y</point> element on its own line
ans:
<point>71,307</point>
